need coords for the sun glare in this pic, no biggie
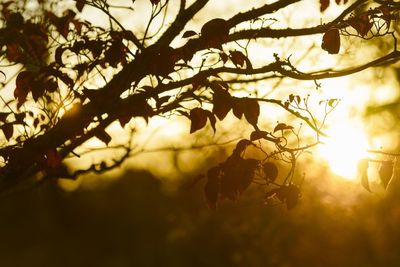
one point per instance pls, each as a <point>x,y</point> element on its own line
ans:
<point>344,148</point>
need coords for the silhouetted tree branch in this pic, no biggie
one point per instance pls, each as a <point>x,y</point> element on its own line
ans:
<point>61,55</point>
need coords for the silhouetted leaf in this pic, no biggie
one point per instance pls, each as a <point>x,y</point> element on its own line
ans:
<point>80,4</point>
<point>212,119</point>
<point>58,55</point>
<point>324,4</point>
<point>3,116</point>
<point>224,57</point>
<point>215,28</point>
<point>363,170</point>
<point>288,194</point>
<point>331,41</point>
<point>237,175</point>
<point>251,110</point>
<point>23,86</point>
<point>154,2</point>
<point>270,171</point>
<point>386,172</point>
<point>215,32</point>
<point>361,24</point>
<point>282,127</point>
<point>8,130</point>
<point>256,135</point>
<point>221,103</point>
<point>241,146</point>
<point>238,58</point>
<point>237,107</point>
<point>198,118</point>
<point>365,182</point>
<point>188,34</point>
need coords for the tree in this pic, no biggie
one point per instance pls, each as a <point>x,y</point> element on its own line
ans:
<point>74,79</point>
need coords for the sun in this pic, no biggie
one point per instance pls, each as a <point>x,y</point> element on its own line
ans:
<point>346,146</point>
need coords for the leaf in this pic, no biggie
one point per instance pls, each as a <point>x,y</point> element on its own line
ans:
<point>3,116</point>
<point>331,41</point>
<point>324,4</point>
<point>365,182</point>
<point>223,57</point>
<point>363,170</point>
<point>361,24</point>
<point>80,4</point>
<point>237,107</point>
<point>211,189</point>
<point>188,34</point>
<point>58,55</point>
<point>251,110</point>
<point>8,130</point>
<point>256,135</point>
<point>103,136</point>
<point>23,86</point>
<point>237,175</point>
<point>212,120</point>
<point>270,171</point>
<point>154,2</point>
<point>282,127</point>
<point>222,103</point>
<point>386,172</point>
<point>238,58</point>
<point>241,146</point>
<point>214,33</point>
<point>288,194</point>
<point>198,118</point>
<point>215,28</point>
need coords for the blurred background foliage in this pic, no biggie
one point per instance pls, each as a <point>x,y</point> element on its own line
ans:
<point>141,221</point>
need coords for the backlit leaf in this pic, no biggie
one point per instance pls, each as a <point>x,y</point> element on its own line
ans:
<point>238,58</point>
<point>331,41</point>
<point>222,103</point>
<point>251,110</point>
<point>365,182</point>
<point>386,172</point>
<point>3,116</point>
<point>80,4</point>
<point>8,130</point>
<point>241,146</point>
<point>363,170</point>
<point>324,4</point>
<point>215,28</point>
<point>256,135</point>
<point>23,86</point>
<point>270,171</point>
<point>282,127</point>
<point>237,107</point>
<point>361,24</point>
<point>198,118</point>
<point>188,34</point>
